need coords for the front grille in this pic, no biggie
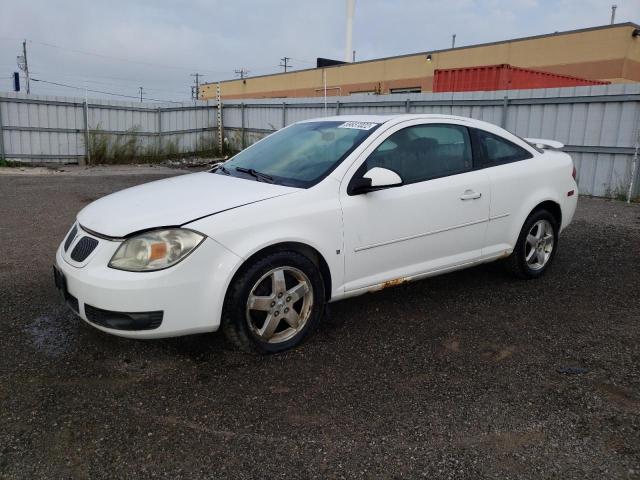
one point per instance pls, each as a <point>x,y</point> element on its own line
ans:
<point>70,237</point>
<point>83,249</point>
<point>124,320</point>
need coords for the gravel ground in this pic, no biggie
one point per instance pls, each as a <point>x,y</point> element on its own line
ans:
<point>451,377</point>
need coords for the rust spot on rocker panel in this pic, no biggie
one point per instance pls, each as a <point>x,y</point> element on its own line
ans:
<point>390,283</point>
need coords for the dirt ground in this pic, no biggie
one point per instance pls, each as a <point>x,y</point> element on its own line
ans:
<point>457,376</point>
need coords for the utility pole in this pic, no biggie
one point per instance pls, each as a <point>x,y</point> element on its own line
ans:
<point>23,64</point>
<point>613,13</point>
<point>195,94</point>
<point>140,88</point>
<point>242,73</point>
<point>453,41</point>
<point>285,63</point>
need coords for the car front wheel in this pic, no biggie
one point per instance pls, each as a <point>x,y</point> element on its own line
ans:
<point>274,303</point>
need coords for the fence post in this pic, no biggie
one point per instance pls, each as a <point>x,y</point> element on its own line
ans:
<point>85,113</point>
<point>284,114</point>
<point>220,120</point>
<point>2,154</point>
<point>503,118</point>
<point>634,166</point>
<point>159,131</point>
<point>242,141</point>
<point>407,105</point>
<point>337,107</point>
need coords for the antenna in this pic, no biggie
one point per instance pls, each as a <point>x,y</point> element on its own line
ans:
<point>348,47</point>
<point>453,41</point>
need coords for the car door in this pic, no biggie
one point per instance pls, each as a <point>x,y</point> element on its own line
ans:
<point>512,179</point>
<point>434,221</point>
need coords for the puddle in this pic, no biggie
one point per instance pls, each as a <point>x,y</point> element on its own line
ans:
<point>50,334</point>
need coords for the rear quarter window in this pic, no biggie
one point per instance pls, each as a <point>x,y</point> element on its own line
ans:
<point>496,150</point>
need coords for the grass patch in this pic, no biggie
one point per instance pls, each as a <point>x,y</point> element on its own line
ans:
<point>130,148</point>
<point>619,193</point>
<point>9,163</point>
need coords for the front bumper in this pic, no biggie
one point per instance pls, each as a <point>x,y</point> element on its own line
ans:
<point>187,297</point>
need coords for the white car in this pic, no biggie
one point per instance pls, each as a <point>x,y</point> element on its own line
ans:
<point>319,211</point>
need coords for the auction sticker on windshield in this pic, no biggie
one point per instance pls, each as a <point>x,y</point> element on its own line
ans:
<point>358,125</point>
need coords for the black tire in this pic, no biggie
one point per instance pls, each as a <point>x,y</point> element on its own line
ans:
<point>235,323</point>
<point>516,263</point>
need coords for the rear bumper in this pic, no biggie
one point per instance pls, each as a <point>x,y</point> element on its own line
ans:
<point>184,299</point>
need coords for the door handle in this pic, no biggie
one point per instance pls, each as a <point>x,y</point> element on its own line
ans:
<point>470,195</point>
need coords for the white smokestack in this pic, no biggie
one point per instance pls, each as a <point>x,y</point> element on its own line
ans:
<point>351,7</point>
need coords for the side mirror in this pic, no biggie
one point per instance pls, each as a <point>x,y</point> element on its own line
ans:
<point>375,179</point>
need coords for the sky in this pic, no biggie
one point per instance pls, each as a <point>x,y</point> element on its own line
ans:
<point>116,46</point>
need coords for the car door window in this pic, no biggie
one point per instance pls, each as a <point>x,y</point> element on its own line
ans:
<point>498,151</point>
<point>423,152</point>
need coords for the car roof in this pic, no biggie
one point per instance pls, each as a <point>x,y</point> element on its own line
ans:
<point>393,118</point>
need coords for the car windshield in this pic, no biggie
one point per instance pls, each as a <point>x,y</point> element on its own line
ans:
<point>300,155</point>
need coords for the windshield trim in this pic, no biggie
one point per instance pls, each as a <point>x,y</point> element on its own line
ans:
<point>292,182</point>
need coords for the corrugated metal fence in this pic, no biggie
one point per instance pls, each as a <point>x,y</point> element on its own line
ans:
<point>600,125</point>
<point>42,129</point>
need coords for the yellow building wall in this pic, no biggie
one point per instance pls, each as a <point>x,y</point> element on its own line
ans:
<point>608,53</point>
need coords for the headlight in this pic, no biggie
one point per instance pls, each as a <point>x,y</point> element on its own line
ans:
<point>155,250</point>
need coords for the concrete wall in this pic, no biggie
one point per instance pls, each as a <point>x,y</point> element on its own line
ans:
<point>603,53</point>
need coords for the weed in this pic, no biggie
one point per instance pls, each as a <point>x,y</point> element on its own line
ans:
<point>9,163</point>
<point>128,147</point>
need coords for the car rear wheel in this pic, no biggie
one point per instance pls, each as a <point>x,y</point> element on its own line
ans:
<point>536,247</point>
<point>274,303</point>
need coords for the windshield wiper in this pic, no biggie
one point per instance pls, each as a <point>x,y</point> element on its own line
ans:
<point>256,174</point>
<point>223,169</point>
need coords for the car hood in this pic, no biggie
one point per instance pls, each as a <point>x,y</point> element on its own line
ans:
<point>172,202</point>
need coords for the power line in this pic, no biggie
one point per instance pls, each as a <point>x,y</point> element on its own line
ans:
<point>86,79</point>
<point>158,65</point>
<point>100,91</point>
<point>120,59</point>
<point>303,61</point>
<point>111,57</point>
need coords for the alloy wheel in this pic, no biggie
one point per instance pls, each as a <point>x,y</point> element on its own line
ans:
<point>279,304</point>
<point>539,244</point>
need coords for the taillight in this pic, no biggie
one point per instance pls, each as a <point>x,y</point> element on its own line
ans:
<point>573,174</point>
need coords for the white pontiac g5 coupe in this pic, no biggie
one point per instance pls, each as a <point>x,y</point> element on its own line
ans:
<point>319,211</point>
